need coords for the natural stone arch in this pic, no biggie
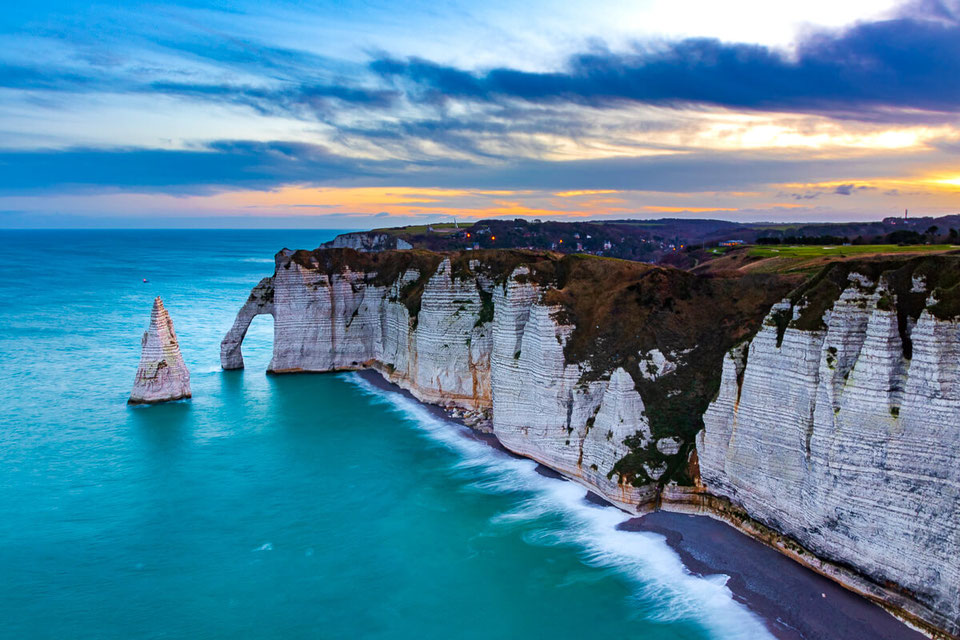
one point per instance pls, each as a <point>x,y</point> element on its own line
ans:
<point>260,302</point>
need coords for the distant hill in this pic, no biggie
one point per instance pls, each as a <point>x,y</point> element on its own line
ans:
<point>681,242</point>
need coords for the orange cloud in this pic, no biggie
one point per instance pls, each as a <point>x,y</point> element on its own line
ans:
<point>687,209</point>
<point>574,194</point>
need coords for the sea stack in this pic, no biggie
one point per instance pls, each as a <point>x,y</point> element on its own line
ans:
<point>162,376</point>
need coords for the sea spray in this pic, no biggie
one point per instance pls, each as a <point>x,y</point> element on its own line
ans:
<point>643,558</point>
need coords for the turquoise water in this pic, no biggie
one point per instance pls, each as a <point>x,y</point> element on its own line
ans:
<point>311,506</point>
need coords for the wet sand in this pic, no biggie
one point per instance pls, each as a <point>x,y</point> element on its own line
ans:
<point>795,602</point>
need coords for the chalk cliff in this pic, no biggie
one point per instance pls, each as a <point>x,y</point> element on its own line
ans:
<point>832,425</point>
<point>839,427</point>
<point>499,334</point>
<point>162,375</point>
<point>367,241</point>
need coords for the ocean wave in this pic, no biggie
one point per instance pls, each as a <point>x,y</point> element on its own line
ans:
<point>643,558</point>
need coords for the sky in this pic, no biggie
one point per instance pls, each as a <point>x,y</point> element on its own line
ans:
<point>343,114</point>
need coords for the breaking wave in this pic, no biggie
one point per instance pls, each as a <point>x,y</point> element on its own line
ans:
<point>656,572</point>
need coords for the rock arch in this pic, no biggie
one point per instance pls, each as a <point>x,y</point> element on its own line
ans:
<point>260,302</point>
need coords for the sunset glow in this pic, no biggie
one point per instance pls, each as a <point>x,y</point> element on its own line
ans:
<point>339,116</point>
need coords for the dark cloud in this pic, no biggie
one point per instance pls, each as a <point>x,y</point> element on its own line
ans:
<point>687,172</point>
<point>230,165</point>
<point>908,62</point>
<point>303,100</point>
<point>222,165</point>
<point>950,146</point>
<point>806,195</point>
<point>849,189</point>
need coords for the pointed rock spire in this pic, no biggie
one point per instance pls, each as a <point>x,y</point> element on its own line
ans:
<point>162,375</point>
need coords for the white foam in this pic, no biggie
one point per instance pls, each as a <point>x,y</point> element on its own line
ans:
<point>207,370</point>
<point>643,558</point>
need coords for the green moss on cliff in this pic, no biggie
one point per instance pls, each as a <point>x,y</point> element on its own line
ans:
<point>622,310</point>
<point>939,274</point>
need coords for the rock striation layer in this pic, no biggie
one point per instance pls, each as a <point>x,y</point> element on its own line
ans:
<point>162,376</point>
<point>827,433</point>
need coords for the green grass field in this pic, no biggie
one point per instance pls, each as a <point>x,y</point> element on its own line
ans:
<point>415,229</point>
<point>816,251</point>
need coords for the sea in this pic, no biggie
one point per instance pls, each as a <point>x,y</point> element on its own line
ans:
<point>295,506</point>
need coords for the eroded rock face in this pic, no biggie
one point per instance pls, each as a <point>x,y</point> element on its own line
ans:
<point>162,376</point>
<point>473,343</point>
<point>542,410</point>
<point>834,438</point>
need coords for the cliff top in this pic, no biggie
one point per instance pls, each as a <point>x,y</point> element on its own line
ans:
<point>676,241</point>
<point>808,259</point>
<point>907,284</point>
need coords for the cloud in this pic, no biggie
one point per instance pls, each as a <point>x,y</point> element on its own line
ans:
<point>35,77</point>
<point>236,165</point>
<point>301,100</point>
<point>871,67</point>
<point>849,189</point>
<point>900,69</point>
<point>220,165</point>
<point>806,195</point>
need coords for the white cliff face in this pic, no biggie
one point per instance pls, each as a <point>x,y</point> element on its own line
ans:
<point>360,241</point>
<point>452,345</point>
<point>367,241</point>
<point>541,409</point>
<point>473,344</point>
<point>162,376</point>
<point>325,322</point>
<point>655,365</point>
<point>835,439</point>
